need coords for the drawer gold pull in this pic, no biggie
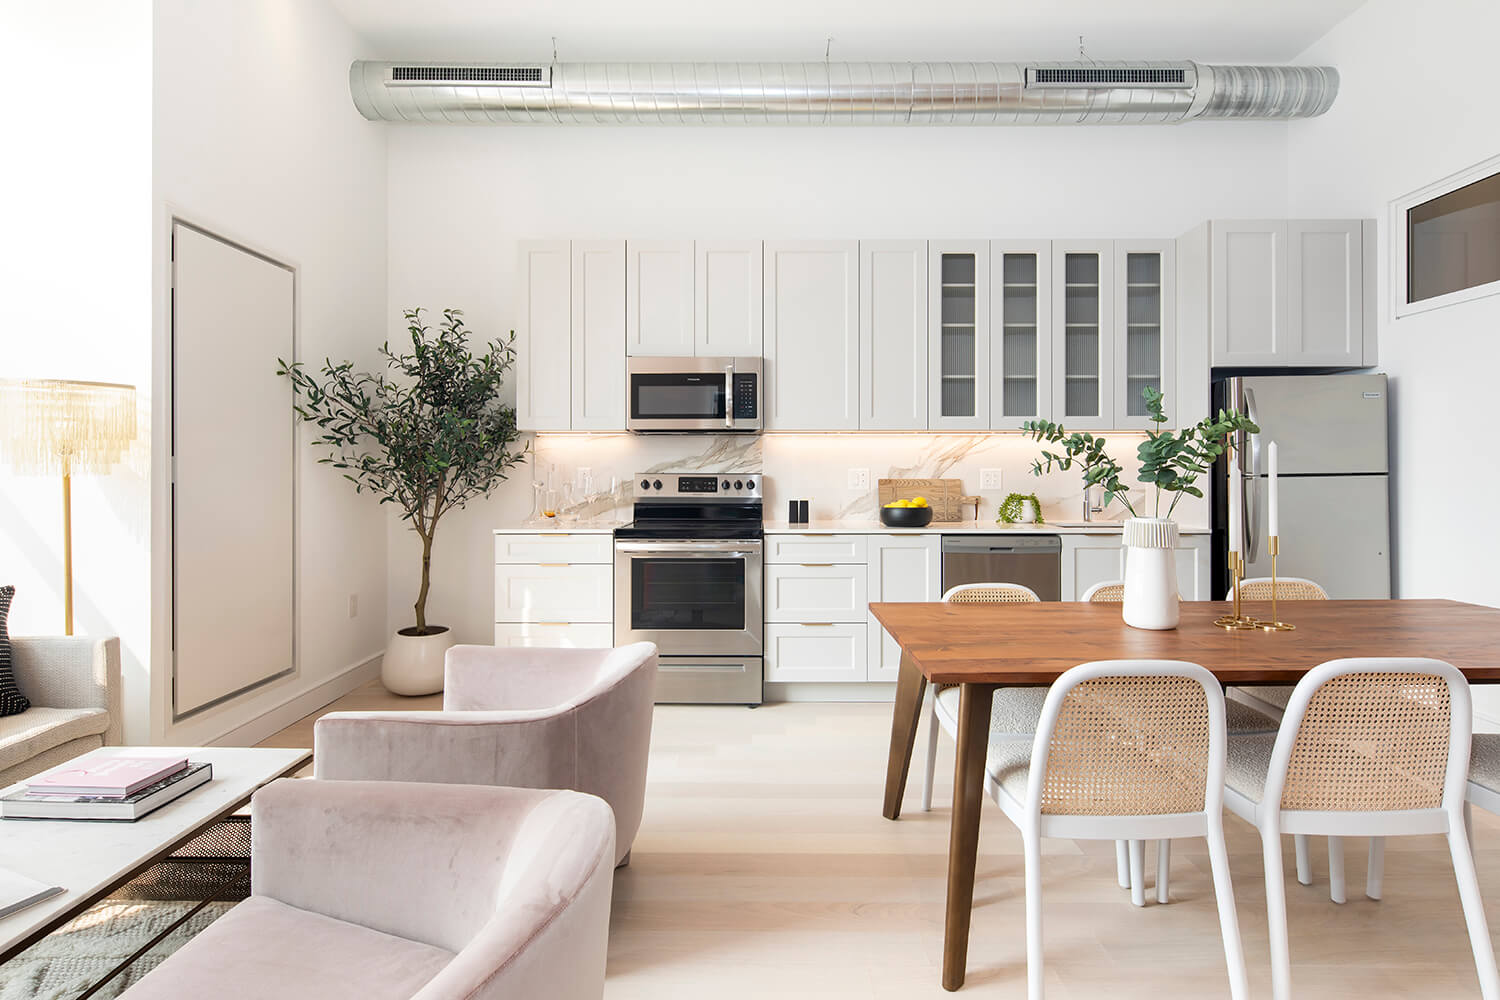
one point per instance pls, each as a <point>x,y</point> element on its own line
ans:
<point>816,565</point>
<point>554,564</point>
<point>818,624</point>
<point>806,535</point>
<point>555,624</point>
<point>552,534</point>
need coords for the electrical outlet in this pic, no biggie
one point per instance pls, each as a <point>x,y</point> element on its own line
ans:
<point>353,605</point>
<point>859,479</point>
<point>990,480</point>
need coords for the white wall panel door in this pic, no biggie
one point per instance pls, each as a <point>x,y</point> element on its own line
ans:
<point>544,337</point>
<point>659,298</point>
<point>901,568</point>
<point>812,336</point>
<point>598,344</point>
<point>727,299</point>
<point>893,335</point>
<point>233,491</point>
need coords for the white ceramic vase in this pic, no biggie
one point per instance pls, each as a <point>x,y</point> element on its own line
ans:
<point>413,664</point>
<point>1151,573</point>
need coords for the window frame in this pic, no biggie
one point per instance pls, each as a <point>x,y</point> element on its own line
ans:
<point>1399,208</point>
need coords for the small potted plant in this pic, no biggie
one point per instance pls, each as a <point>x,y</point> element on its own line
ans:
<point>1171,463</point>
<point>428,435</point>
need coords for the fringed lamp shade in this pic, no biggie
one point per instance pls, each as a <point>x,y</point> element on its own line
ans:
<point>61,427</point>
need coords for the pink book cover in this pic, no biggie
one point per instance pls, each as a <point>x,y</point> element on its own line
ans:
<point>108,776</point>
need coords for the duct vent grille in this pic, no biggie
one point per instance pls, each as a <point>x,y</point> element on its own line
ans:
<point>1108,76</point>
<point>524,76</point>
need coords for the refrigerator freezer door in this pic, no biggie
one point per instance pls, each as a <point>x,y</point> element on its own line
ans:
<point>1334,530</point>
<point>1322,424</point>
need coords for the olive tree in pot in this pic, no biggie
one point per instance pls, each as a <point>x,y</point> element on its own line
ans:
<point>428,435</point>
<point>1170,462</point>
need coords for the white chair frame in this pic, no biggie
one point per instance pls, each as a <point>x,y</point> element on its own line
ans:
<point>1209,823</point>
<point>1272,821</point>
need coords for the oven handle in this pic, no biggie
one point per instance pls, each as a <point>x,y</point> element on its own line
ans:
<point>706,550</point>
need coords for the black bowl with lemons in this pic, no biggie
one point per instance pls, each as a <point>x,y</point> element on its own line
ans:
<point>914,513</point>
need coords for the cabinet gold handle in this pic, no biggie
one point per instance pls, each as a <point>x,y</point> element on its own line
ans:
<point>817,624</point>
<point>554,623</point>
<point>816,565</point>
<point>554,564</point>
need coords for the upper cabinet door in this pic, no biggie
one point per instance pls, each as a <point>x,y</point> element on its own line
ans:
<point>544,336</point>
<point>893,335</point>
<point>1145,335</point>
<point>958,334</point>
<point>598,325</point>
<point>812,335</point>
<point>1082,335</point>
<point>727,303</point>
<point>1325,292</point>
<point>659,298</point>
<point>1020,332</point>
<point>1248,282</point>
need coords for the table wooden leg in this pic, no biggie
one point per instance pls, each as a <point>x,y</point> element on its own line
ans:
<point>974,704</point>
<point>910,687</point>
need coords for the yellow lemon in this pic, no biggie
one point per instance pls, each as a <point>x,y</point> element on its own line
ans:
<point>919,502</point>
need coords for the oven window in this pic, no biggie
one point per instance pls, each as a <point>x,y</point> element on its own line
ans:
<point>698,594</point>
<point>681,397</point>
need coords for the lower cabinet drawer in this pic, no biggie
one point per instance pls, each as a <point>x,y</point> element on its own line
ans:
<point>554,593</point>
<point>797,592</point>
<point>572,635</point>
<point>885,656</point>
<point>816,652</point>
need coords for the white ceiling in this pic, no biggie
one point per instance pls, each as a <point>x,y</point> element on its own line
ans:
<point>714,30</point>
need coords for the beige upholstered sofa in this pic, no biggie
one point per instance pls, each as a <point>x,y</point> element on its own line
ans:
<point>530,718</point>
<point>368,890</point>
<point>73,684</point>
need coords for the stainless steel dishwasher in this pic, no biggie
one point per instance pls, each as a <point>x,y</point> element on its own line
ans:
<point>1034,561</point>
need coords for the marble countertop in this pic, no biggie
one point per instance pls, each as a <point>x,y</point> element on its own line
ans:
<point>859,527</point>
<point>554,528</point>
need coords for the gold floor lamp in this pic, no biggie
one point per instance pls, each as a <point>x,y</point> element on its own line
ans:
<point>50,426</point>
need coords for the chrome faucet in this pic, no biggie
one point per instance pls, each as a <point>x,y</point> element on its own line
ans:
<point>1089,510</point>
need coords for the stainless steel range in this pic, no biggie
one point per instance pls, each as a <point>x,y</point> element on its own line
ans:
<point>688,577</point>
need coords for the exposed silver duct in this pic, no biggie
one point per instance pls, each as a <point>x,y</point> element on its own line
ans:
<point>889,93</point>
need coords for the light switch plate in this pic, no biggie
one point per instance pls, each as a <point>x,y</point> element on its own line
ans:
<point>859,479</point>
<point>990,481</point>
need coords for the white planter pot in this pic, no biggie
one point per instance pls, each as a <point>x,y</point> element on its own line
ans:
<point>1151,573</point>
<point>413,664</point>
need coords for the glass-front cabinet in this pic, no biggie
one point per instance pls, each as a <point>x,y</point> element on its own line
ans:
<point>1083,306</point>
<point>1020,341</point>
<point>958,335</point>
<point>1145,334</point>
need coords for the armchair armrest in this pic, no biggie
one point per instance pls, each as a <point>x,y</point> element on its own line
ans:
<point>57,671</point>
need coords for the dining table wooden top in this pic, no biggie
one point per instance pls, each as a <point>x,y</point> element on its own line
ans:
<point>1034,643</point>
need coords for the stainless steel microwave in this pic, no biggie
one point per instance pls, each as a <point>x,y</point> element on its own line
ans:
<point>694,395</point>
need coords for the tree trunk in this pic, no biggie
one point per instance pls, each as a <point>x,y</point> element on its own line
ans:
<point>421,605</point>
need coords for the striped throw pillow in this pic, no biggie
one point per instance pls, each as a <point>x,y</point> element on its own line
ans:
<point>12,701</point>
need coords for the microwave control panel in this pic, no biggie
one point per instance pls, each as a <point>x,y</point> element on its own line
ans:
<point>745,394</point>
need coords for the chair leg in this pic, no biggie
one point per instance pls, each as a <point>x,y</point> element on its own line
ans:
<point>1336,869</point>
<point>1304,859</point>
<point>1033,853</point>
<point>1375,869</point>
<point>932,741</point>
<point>1479,931</point>
<point>1469,824</point>
<point>1281,964</point>
<point>1137,872</point>
<point>1163,868</point>
<point>1229,924</point>
<point>1122,864</point>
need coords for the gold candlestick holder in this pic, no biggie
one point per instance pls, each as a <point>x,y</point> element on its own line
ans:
<point>1275,624</point>
<point>1235,621</point>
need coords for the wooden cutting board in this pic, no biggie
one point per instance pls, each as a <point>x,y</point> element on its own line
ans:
<point>944,496</point>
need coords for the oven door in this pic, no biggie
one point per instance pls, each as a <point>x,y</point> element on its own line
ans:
<point>690,597</point>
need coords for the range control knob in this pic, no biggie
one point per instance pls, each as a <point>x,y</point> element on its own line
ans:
<point>645,484</point>
<point>726,484</point>
<point>749,484</point>
<point>656,485</point>
<point>738,485</point>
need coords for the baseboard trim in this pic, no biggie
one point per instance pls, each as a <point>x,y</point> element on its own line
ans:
<point>273,720</point>
<point>868,691</point>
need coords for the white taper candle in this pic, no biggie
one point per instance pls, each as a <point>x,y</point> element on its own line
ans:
<point>1272,506</point>
<point>1236,496</point>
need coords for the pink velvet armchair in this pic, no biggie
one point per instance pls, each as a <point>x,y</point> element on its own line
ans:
<point>529,718</point>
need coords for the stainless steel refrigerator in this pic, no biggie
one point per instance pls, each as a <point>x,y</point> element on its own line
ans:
<point>1333,480</point>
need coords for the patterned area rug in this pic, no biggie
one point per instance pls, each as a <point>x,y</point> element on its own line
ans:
<point>68,961</point>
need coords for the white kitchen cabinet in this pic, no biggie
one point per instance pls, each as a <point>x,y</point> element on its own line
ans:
<point>815,593</point>
<point>659,298</point>
<point>544,337</point>
<point>557,592</point>
<point>1288,293</point>
<point>823,651</point>
<point>554,635</point>
<point>811,315</point>
<point>1020,332</point>
<point>803,547</point>
<point>598,335</point>
<point>1090,559</point>
<point>727,299</point>
<point>958,334</point>
<point>900,568</point>
<point>1145,329</point>
<point>1083,358</point>
<point>554,547</point>
<point>893,335</point>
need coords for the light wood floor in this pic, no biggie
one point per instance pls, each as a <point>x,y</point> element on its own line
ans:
<point>764,869</point>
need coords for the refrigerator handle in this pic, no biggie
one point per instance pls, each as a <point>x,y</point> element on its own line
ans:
<point>1251,486</point>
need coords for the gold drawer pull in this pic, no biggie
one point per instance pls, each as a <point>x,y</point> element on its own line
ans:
<point>818,624</point>
<point>555,624</point>
<point>554,564</point>
<point>816,565</point>
<point>553,534</point>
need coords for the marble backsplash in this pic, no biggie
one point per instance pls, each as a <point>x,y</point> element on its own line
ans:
<point>816,467</point>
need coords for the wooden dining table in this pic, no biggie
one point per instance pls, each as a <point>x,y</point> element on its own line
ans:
<point>982,647</point>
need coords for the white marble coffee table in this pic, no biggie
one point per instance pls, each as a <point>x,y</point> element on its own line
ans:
<point>90,859</point>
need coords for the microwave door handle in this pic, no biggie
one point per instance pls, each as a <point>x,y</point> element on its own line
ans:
<point>729,396</point>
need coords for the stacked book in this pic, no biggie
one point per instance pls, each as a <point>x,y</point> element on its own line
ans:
<point>120,787</point>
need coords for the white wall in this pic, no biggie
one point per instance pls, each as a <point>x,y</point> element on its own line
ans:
<point>75,279</point>
<point>256,139</point>
<point>460,198</point>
